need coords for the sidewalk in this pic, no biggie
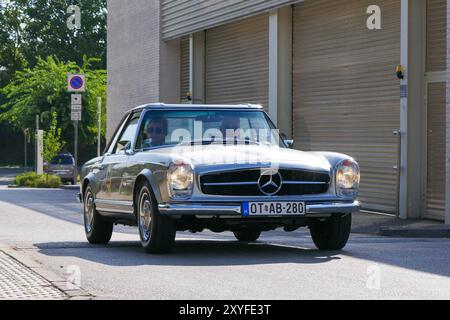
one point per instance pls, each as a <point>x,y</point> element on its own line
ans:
<point>25,279</point>
<point>390,226</point>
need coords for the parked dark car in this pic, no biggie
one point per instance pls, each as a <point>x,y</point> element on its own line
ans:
<point>63,165</point>
<point>175,168</point>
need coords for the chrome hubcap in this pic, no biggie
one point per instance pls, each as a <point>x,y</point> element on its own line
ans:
<point>145,216</point>
<point>89,211</point>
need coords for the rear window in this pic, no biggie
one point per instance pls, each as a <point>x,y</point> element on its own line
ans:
<point>66,160</point>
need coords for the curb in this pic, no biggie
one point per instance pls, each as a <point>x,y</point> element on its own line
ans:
<point>442,232</point>
<point>55,279</point>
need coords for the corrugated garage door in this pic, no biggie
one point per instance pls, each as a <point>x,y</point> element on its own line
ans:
<point>346,95</point>
<point>436,107</point>
<point>436,151</point>
<point>237,62</point>
<point>184,69</point>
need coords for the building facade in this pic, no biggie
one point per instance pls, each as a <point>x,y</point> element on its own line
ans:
<point>324,70</point>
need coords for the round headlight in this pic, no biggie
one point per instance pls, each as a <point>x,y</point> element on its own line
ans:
<point>180,179</point>
<point>347,178</point>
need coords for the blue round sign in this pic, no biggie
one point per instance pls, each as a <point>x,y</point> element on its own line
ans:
<point>76,82</point>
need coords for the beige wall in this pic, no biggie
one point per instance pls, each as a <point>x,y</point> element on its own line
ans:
<point>141,68</point>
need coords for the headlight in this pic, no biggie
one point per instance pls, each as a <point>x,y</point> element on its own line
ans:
<point>180,180</point>
<point>347,179</point>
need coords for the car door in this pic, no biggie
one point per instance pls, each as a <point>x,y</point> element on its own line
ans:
<point>118,161</point>
<point>114,164</point>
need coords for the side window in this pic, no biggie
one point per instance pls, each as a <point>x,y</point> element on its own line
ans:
<point>127,135</point>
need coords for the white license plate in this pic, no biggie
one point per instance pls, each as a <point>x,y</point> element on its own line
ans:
<point>273,208</point>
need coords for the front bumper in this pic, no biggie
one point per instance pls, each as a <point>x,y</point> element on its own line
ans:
<point>325,209</point>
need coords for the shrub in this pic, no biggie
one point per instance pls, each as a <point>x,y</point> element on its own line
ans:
<point>32,180</point>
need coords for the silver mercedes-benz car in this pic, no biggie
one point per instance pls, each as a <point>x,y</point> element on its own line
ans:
<point>172,168</point>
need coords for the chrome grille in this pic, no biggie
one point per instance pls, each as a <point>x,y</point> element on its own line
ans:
<point>245,183</point>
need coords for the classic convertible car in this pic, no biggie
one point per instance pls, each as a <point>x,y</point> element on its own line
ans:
<point>175,168</point>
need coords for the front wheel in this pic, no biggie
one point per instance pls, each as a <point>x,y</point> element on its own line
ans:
<point>247,235</point>
<point>157,232</point>
<point>331,233</point>
<point>98,229</point>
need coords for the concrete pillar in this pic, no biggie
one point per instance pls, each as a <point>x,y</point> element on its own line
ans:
<point>416,112</point>
<point>169,71</point>
<point>198,67</point>
<point>447,173</point>
<point>280,69</point>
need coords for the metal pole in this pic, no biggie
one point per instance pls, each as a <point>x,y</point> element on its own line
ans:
<point>36,144</point>
<point>99,136</point>
<point>25,149</point>
<point>76,150</point>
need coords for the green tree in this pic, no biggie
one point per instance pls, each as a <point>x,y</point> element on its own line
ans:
<point>43,90</point>
<point>51,141</point>
<point>46,32</point>
<point>37,28</point>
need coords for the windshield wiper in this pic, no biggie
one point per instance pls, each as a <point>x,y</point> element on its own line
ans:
<point>219,141</point>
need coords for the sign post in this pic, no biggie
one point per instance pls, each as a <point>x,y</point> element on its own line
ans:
<point>99,136</point>
<point>36,149</point>
<point>76,83</point>
<point>40,161</point>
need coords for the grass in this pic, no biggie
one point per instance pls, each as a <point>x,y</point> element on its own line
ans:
<point>33,180</point>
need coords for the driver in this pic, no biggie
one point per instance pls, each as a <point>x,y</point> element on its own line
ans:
<point>156,132</point>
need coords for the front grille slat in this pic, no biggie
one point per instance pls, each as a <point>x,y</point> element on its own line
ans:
<point>245,183</point>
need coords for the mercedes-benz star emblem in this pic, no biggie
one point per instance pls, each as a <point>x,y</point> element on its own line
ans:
<point>270,182</point>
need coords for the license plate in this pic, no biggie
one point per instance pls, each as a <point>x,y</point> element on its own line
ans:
<point>273,208</point>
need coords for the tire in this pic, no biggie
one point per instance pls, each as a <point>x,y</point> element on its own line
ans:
<point>157,232</point>
<point>247,235</point>
<point>332,233</point>
<point>98,229</point>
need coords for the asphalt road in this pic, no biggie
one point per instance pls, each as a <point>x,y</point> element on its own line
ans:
<point>47,226</point>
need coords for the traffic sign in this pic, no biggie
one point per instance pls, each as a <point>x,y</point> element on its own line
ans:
<point>76,107</point>
<point>76,99</point>
<point>76,83</point>
<point>75,115</point>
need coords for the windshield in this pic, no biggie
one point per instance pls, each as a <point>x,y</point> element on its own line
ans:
<point>191,127</point>
<point>62,160</point>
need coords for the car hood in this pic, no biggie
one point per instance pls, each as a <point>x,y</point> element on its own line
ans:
<point>251,155</point>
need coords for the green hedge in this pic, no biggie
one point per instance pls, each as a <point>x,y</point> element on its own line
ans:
<point>32,180</point>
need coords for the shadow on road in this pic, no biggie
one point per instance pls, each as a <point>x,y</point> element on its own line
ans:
<point>188,253</point>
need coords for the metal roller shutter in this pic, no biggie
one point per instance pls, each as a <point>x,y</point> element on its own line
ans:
<point>182,17</point>
<point>436,35</point>
<point>436,107</point>
<point>237,62</point>
<point>184,69</point>
<point>436,151</point>
<point>345,94</point>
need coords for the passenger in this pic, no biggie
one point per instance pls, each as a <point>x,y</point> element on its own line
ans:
<point>230,127</point>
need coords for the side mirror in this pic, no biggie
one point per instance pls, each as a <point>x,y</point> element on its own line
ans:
<point>124,147</point>
<point>288,142</point>
<point>127,149</point>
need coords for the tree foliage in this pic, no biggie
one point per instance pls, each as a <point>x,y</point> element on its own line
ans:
<point>43,90</point>
<point>51,141</point>
<point>37,28</point>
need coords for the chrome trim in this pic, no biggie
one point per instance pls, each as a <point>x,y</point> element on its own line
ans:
<point>199,209</point>
<point>114,206</point>
<point>304,182</point>
<point>248,183</point>
<point>202,209</point>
